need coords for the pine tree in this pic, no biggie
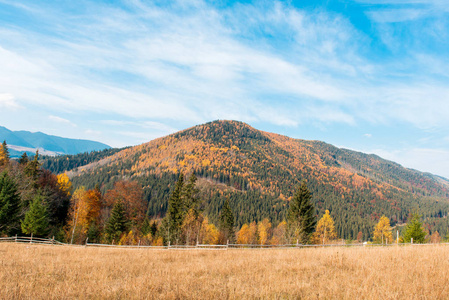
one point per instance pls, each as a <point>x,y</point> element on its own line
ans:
<point>383,231</point>
<point>117,222</point>
<point>325,229</point>
<point>9,205</point>
<point>414,231</point>
<point>301,217</point>
<point>23,160</point>
<point>189,195</point>
<point>175,212</point>
<point>32,169</point>
<point>36,218</point>
<point>226,222</point>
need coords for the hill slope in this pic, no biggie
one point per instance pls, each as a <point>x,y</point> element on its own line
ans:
<point>258,172</point>
<point>25,141</point>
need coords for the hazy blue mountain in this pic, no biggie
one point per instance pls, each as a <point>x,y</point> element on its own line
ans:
<point>25,141</point>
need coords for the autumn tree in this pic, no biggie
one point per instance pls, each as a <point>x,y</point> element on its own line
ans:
<point>130,193</point>
<point>279,234</point>
<point>209,234</point>
<point>36,218</point>
<point>226,222</point>
<point>435,238</point>
<point>301,219</point>
<point>325,229</point>
<point>382,231</point>
<point>414,230</point>
<point>265,231</point>
<point>64,183</point>
<point>4,154</point>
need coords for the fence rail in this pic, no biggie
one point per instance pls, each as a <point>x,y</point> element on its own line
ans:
<point>36,240</point>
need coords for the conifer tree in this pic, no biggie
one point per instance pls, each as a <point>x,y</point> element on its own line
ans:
<point>23,160</point>
<point>301,217</point>
<point>226,222</point>
<point>36,218</point>
<point>414,231</point>
<point>117,222</point>
<point>33,167</point>
<point>175,212</point>
<point>9,205</point>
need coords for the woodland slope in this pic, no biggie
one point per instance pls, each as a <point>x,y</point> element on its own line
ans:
<point>259,172</point>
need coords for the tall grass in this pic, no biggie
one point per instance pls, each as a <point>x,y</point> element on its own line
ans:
<point>60,272</point>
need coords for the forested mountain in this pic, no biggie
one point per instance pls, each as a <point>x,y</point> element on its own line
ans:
<point>259,172</point>
<point>25,141</point>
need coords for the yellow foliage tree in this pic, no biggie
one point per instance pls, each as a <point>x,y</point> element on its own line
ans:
<point>278,237</point>
<point>264,229</point>
<point>64,184</point>
<point>383,231</point>
<point>209,234</point>
<point>325,229</point>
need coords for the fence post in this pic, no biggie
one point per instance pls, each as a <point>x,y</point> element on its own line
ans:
<point>53,240</point>
<point>412,240</point>
<point>138,244</point>
<point>397,237</point>
<point>227,244</point>
<point>297,243</point>
<point>31,240</point>
<point>168,244</point>
<point>16,238</point>
<point>87,239</point>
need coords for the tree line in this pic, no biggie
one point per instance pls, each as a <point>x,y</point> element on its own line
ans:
<point>35,201</point>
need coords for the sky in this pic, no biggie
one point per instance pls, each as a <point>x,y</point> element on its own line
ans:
<point>367,75</point>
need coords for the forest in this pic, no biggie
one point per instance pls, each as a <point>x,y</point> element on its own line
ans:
<point>36,201</point>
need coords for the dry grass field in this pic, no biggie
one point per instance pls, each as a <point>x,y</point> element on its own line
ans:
<point>63,272</point>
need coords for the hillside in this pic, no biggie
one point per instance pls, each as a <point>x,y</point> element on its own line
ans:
<point>25,141</point>
<point>258,171</point>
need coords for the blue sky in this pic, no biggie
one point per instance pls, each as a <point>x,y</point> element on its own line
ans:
<point>368,75</point>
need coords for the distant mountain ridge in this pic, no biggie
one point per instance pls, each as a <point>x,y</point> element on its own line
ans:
<point>25,141</point>
<point>259,171</point>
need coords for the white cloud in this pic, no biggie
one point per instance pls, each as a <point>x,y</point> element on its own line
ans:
<point>7,101</point>
<point>61,120</point>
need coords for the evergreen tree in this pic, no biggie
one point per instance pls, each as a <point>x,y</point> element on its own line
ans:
<point>175,212</point>
<point>36,218</point>
<point>9,205</point>
<point>23,160</point>
<point>117,222</point>
<point>414,230</point>
<point>301,217</point>
<point>32,169</point>
<point>226,222</point>
<point>189,195</point>
<point>153,229</point>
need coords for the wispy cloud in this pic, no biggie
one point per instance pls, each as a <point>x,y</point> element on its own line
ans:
<point>7,101</point>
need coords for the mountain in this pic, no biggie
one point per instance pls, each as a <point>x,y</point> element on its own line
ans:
<point>259,171</point>
<point>25,141</point>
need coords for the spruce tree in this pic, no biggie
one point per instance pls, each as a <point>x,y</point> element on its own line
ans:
<point>23,160</point>
<point>226,222</point>
<point>176,211</point>
<point>117,222</point>
<point>414,230</point>
<point>301,219</point>
<point>32,169</point>
<point>36,218</point>
<point>9,205</point>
